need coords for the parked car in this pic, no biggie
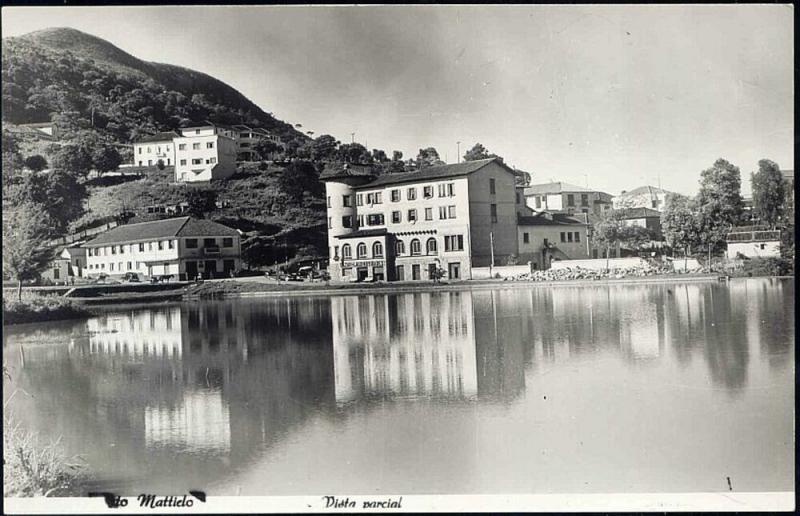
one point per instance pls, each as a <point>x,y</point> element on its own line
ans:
<point>131,277</point>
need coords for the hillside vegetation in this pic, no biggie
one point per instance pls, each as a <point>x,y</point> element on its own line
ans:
<point>84,82</point>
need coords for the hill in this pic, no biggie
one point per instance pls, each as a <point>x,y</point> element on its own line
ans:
<point>85,82</point>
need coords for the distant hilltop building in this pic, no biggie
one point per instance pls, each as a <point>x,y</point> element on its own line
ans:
<point>454,218</point>
<point>44,128</point>
<point>201,153</point>
<point>650,197</point>
<point>563,197</point>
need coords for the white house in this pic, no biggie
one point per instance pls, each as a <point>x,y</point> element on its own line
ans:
<point>205,153</point>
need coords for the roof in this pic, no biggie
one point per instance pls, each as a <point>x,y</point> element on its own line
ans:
<point>647,189</point>
<point>542,220</point>
<point>559,187</point>
<point>433,173</point>
<point>365,233</point>
<point>333,171</point>
<point>158,137</point>
<point>166,228</point>
<point>638,213</point>
<point>788,174</point>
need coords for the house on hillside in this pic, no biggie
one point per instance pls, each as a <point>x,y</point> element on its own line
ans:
<point>649,197</point>
<point>205,153</point>
<point>567,198</point>
<point>247,137</point>
<point>183,247</point>
<point>545,237</point>
<point>148,150</point>
<point>753,241</point>
<point>69,263</point>
<point>644,217</point>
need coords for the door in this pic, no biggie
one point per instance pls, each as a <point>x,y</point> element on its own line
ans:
<point>211,268</point>
<point>399,273</point>
<point>454,270</point>
<point>431,270</point>
<point>362,272</point>
<point>228,266</point>
<point>191,270</point>
<point>415,269</point>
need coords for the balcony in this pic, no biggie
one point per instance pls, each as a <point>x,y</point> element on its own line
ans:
<point>211,250</point>
<point>753,236</point>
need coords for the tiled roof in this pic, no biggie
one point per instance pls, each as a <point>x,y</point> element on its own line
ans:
<point>652,190</point>
<point>158,137</point>
<point>365,233</point>
<point>541,220</point>
<point>559,187</point>
<point>432,173</point>
<point>638,213</point>
<point>177,227</point>
<point>337,171</point>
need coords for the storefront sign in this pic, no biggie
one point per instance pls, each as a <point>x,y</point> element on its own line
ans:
<point>364,263</point>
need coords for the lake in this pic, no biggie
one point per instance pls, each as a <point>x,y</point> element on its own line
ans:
<point>547,389</point>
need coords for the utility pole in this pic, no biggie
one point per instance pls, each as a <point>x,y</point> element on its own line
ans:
<point>458,152</point>
<point>491,250</point>
<point>352,137</point>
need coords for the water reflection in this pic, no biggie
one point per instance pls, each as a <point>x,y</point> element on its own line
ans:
<point>177,397</point>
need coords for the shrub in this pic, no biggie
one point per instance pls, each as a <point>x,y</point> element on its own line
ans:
<point>36,308</point>
<point>772,266</point>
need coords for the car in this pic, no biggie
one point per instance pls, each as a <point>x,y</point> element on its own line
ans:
<point>131,277</point>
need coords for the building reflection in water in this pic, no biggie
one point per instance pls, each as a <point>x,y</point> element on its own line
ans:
<point>418,344</point>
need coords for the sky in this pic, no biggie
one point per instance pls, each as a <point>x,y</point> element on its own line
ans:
<point>613,97</point>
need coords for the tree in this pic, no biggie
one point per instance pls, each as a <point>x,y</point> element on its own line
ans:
<point>160,164</point>
<point>478,151</point>
<point>719,203</point>
<point>635,237</point>
<point>73,158</point>
<point>36,163</point>
<point>324,148</point>
<point>353,153</point>
<point>106,158</point>
<point>379,156</point>
<point>769,192</point>
<point>679,223</point>
<point>522,178</point>
<point>300,177</point>
<point>25,234</point>
<point>57,193</point>
<point>397,156</point>
<point>265,148</point>
<point>200,201</point>
<point>428,157</point>
<point>608,232</point>
<point>12,160</point>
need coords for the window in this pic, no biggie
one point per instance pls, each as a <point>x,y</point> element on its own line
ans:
<point>493,212</point>
<point>197,131</point>
<point>563,237</point>
<point>346,252</point>
<point>415,247</point>
<point>167,148</point>
<point>141,247</point>
<point>330,222</point>
<point>360,221</point>
<point>451,212</point>
<point>158,149</point>
<point>140,150</point>
<point>183,162</point>
<point>329,201</point>
<point>492,189</point>
<point>209,145</point>
<point>427,192</point>
<point>400,247</point>
<point>442,212</point>
<point>160,245</point>
<point>336,251</point>
<point>442,190</point>
<point>395,217</point>
<point>129,266</point>
<point>181,146</point>
<point>149,162</point>
<point>517,198</point>
<point>197,161</point>
<point>655,204</point>
<point>226,242</point>
<point>538,201</point>
<point>361,250</point>
<point>526,238</point>
<point>430,246</point>
<point>375,219</point>
<point>148,150</point>
<point>113,249</point>
<point>569,236</point>
<point>395,195</point>
<point>209,242</point>
<point>359,200</point>
<point>412,215</point>
<point>454,243</point>
<point>584,199</point>
<point>411,194</point>
<point>451,190</point>
<point>191,243</point>
<point>111,266</point>
<point>570,200</point>
<point>347,221</point>
<point>374,198</point>
<point>196,146</point>
<point>346,201</point>
<point>428,213</point>
<point>211,161</point>
<point>377,250</point>
<point>577,237</point>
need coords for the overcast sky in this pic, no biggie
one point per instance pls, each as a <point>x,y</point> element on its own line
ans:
<point>616,96</point>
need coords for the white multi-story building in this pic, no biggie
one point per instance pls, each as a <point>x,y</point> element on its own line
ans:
<point>649,197</point>
<point>183,247</point>
<point>205,153</point>
<point>247,138</point>
<point>149,150</point>
<point>566,198</point>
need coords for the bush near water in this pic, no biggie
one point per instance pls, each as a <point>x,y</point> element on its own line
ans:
<point>37,308</point>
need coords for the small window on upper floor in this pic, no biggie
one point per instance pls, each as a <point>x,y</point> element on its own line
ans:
<point>492,186</point>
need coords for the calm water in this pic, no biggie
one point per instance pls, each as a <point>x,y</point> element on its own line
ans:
<point>625,388</point>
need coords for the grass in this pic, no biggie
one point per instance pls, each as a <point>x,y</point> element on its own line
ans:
<point>39,308</point>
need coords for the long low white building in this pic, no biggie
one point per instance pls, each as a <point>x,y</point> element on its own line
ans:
<point>184,247</point>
